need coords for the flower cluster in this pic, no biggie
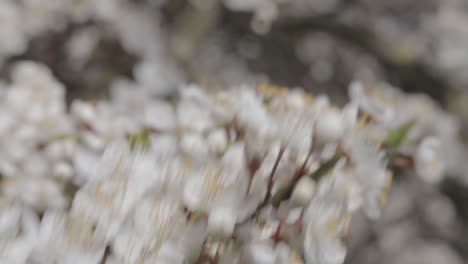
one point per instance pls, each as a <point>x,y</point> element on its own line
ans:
<point>251,174</point>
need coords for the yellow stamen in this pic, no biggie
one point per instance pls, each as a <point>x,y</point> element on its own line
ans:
<point>295,258</point>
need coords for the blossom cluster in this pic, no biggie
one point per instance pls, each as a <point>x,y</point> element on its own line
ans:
<point>250,174</point>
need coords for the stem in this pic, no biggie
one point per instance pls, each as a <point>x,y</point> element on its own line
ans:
<point>253,167</point>
<point>105,255</point>
<point>285,193</point>
<point>270,181</point>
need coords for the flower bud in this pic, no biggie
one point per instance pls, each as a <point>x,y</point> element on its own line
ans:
<point>428,163</point>
<point>222,221</point>
<point>63,170</point>
<point>260,253</point>
<point>217,141</point>
<point>194,146</point>
<point>83,111</point>
<point>329,127</point>
<point>303,191</point>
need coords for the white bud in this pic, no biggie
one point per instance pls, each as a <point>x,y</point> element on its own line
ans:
<point>222,221</point>
<point>296,99</point>
<point>329,127</point>
<point>83,111</point>
<point>234,158</point>
<point>194,146</point>
<point>193,193</point>
<point>171,254</point>
<point>54,151</point>
<point>260,253</point>
<point>217,141</point>
<point>63,170</point>
<point>303,191</point>
<point>160,115</point>
<point>428,160</point>
<point>93,141</point>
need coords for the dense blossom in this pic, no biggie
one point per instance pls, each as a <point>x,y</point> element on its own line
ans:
<point>251,174</point>
<point>166,172</point>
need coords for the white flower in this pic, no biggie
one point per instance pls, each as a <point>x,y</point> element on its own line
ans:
<point>157,217</point>
<point>128,247</point>
<point>83,161</point>
<point>217,141</point>
<point>194,146</point>
<point>428,160</point>
<point>234,160</point>
<point>68,240</point>
<point>59,149</point>
<point>18,230</point>
<point>15,251</point>
<point>105,203</point>
<point>295,130</point>
<point>160,116</point>
<point>164,146</point>
<point>221,222</point>
<point>379,103</point>
<point>120,180</point>
<point>176,172</point>
<point>214,168</point>
<point>155,233</point>
<point>261,252</point>
<point>212,185</point>
<point>83,112</point>
<point>330,126</point>
<point>373,180</point>
<point>250,111</point>
<point>304,191</point>
<point>93,141</point>
<point>320,247</point>
<point>39,193</point>
<point>223,107</point>
<point>170,254</point>
<point>325,221</point>
<point>193,116</point>
<point>9,219</point>
<point>186,245</point>
<point>63,171</point>
<point>350,117</point>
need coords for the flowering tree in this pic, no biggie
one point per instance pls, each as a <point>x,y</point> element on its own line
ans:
<point>162,171</point>
<point>244,175</point>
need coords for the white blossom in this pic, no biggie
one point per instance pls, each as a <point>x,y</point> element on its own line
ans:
<point>428,161</point>
<point>329,127</point>
<point>304,191</point>
<point>169,173</point>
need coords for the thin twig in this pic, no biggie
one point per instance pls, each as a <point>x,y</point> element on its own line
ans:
<point>105,255</point>
<point>270,181</point>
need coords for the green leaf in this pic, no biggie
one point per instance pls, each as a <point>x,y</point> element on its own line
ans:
<point>172,97</point>
<point>326,167</point>
<point>397,136</point>
<point>282,194</point>
<point>141,139</point>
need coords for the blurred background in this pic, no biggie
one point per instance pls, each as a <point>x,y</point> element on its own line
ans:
<point>319,45</point>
